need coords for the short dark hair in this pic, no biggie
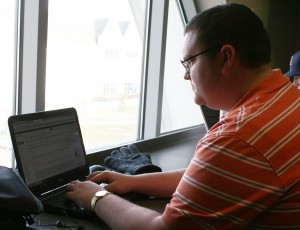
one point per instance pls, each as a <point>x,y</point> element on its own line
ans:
<point>237,25</point>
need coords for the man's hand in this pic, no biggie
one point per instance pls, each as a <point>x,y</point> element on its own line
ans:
<point>116,182</point>
<point>82,192</point>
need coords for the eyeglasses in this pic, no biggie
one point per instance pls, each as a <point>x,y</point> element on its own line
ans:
<point>186,63</point>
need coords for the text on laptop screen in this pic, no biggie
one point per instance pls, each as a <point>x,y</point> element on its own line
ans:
<point>48,147</point>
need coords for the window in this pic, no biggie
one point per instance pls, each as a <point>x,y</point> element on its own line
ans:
<point>178,108</point>
<point>8,28</point>
<point>94,63</point>
<point>116,62</point>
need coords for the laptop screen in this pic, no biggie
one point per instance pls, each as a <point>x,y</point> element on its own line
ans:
<point>49,149</point>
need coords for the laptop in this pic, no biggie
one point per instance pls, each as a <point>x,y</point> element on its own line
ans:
<point>50,153</point>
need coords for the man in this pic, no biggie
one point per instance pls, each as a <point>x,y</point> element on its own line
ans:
<point>245,171</point>
<point>295,69</point>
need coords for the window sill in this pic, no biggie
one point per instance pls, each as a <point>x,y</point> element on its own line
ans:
<point>170,151</point>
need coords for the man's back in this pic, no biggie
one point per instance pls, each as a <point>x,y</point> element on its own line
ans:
<point>245,171</point>
<point>269,122</point>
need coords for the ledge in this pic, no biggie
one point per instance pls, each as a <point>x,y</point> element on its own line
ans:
<point>170,151</point>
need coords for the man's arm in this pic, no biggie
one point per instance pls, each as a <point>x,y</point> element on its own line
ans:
<point>119,213</point>
<point>158,184</point>
<point>161,184</point>
<point>122,214</point>
<point>113,210</point>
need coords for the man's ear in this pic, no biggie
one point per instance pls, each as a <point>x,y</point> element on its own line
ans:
<point>228,54</point>
<point>225,58</point>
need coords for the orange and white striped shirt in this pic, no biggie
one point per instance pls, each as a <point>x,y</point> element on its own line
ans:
<point>245,173</point>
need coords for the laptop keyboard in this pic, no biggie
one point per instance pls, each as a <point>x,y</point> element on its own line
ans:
<point>65,202</point>
<point>60,201</point>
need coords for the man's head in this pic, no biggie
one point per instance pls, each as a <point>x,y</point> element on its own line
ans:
<point>226,52</point>
<point>236,25</point>
<point>294,71</point>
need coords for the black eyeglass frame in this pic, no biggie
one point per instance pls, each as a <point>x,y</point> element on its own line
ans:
<point>185,61</point>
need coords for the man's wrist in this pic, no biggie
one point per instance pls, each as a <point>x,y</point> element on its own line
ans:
<point>98,196</point>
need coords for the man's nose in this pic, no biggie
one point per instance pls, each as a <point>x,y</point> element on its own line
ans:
<point>186,75</point>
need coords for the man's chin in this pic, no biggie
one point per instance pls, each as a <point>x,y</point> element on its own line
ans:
<point>198,101</point>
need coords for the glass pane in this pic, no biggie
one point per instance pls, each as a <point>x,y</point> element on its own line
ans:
<point>178,110</point>
<point>94,63</point>
<point>8,19</point>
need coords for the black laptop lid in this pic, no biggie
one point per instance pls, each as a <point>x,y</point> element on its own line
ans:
<point>48,148</point>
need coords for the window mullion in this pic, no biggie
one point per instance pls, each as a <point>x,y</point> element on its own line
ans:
<point>155,69</point>
<point>188,9</point>
<point>29,58</point>
<point>41,51</point>
<point>32,76</point>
